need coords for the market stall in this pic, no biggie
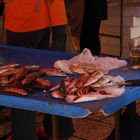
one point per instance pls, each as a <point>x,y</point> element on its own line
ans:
<point>39,100</point>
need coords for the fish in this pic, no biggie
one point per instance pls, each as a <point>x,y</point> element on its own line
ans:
<point>92,78</point>
<point>52,71</point>
<point>101,82</point>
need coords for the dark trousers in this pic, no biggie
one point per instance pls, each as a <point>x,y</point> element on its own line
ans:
<point>40,40</point>
<point>129,124</point>
<point>1,8</point>
<point>75,16</point>
<point>89,37</point>
<point>65,126</point>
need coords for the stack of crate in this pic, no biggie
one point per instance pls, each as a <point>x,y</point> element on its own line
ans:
<point>131,28</point>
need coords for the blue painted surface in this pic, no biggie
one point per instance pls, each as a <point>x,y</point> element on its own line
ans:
<point>39,101</point>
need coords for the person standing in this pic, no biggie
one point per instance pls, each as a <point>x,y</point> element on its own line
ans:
<point>32,26</point>
<point>75,18</point>
<point>94,12</point>
<point>39,24</point>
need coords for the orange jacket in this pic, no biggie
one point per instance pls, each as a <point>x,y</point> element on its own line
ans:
<point>31,15</point>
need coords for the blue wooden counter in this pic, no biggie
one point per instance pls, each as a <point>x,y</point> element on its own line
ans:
<point>39,101</point>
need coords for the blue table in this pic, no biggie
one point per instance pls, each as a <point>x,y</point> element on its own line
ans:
<point>24,107</point>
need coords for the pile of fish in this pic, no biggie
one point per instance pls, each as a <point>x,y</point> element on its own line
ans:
<point>89,86</point>
<point>21,80</point>
<point>92,83</point>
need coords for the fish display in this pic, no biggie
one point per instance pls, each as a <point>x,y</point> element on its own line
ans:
<point>21,80</point>
<point>89,87</point>
<point>92,82</point>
